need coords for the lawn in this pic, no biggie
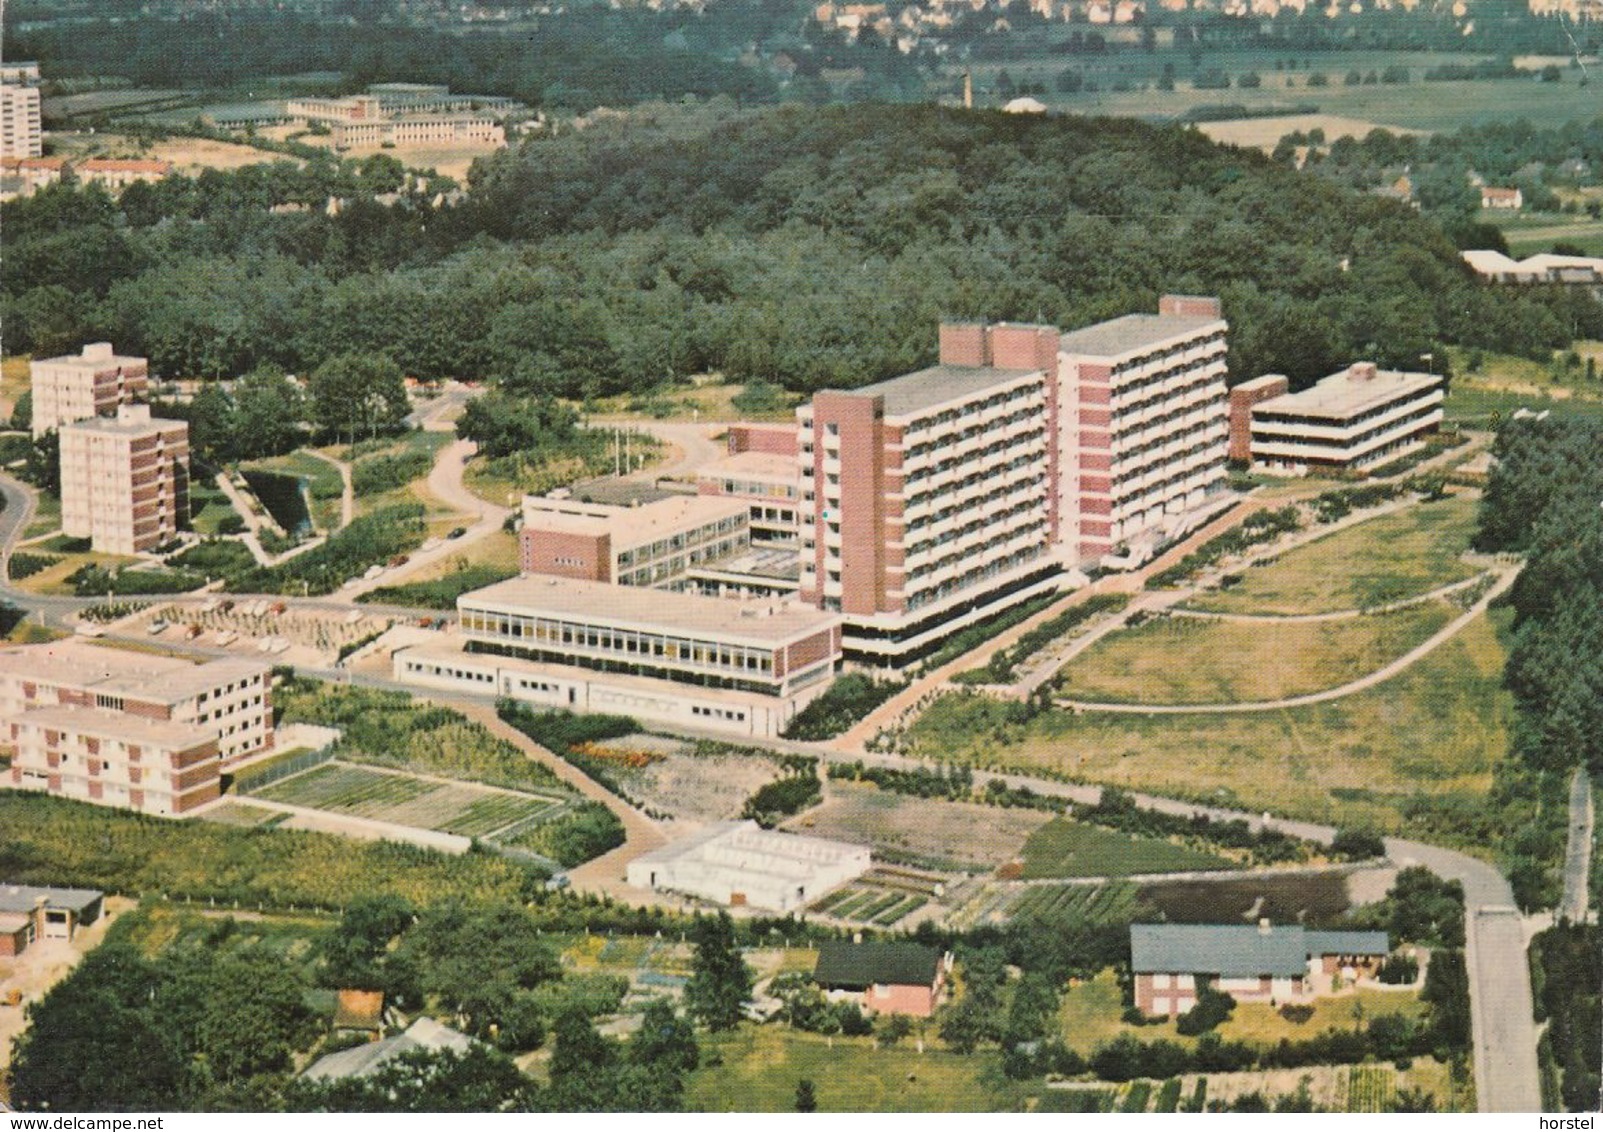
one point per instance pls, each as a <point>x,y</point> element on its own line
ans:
<point>756,1068</point>
<point>1387,559</point>
<point>1528,233</point>
<point>46,516</point>
<point>1426,740</point>
<point>1191,660</point>
<point>1091,1015</point>
<point>1063,848</point>
<point>208,508</point>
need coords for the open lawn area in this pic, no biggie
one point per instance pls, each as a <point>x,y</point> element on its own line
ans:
<point>755,1069</point>
<point>1528,233</point>
<point>1190,660</point>
<point>1091,1015</point>
<point>1501,384</point>
<point>46,516</point>
<point>1064,848</point>
<point>1426,740</point>
<point>1387,559</point>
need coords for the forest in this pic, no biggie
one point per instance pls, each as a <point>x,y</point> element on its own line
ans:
<point>806,248</point>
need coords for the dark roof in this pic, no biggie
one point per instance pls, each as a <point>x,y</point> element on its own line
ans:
<point>1241,950</point>
<point>857,966</point>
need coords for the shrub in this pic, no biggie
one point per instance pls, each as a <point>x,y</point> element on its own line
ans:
<point>781,798</point>
<point>24,565</point>
<point>1212,1008</point>
<point>848,700</point>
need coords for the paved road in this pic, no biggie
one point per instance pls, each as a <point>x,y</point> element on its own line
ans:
<point>1578,853</point>
<point>691,446</point>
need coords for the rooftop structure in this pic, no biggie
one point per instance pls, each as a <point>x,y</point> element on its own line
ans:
<point>124,480</point>
<point>1495,267</point>
<point>367,1059</point>
<point>91,383</point>
<point>741,865</point>
<point>1355,418</point>
<point>29,913</point>
<point>771,484</point>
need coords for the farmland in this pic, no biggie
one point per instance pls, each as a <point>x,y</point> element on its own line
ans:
<point>693,782</point>
<point>403,799</point>
<point>882,897</point>
<point>1385,559</point>
<point>1063,848</point>
<point>1183,660</point>
<point>920,831</point>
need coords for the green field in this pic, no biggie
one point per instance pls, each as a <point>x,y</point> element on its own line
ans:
<point>1063,848</point>
<point>755,1069</point>
<point>1426,740</point>
<point>1528,233</point>
<point>1383,560</point>
<point>1092,903</point>
<point>1190,660</point>
<point>469,811</point>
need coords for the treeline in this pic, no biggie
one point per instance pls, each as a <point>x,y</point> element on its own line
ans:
<point>802,248</point>
<point>1567,977</point>
<point>588,57</point>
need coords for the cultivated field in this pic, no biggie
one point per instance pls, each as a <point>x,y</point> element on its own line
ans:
<point>1425,740</point>
<point>882,897</point>
<point>1064,848</point>
<point>1265,133</point>
<point>403,799</point>
<point>1282,897</point>
<point>924,831</point>
<point>1387,559</point>
<point>1189,660</point>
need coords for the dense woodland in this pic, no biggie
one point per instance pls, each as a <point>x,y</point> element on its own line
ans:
<point>805,248</point>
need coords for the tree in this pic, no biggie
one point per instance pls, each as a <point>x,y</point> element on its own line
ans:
<point>478,1080</point>
<point>268,411</point>
<point>358,393</point>
<point>720,981</point>
<point>806,1098</point>
<point>664,1038</point>
<point>42,466</point>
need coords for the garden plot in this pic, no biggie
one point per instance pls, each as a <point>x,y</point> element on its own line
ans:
<point>882,897</point>
<point>678,780</point>
<point>926,832</point>
<point>464,809</point>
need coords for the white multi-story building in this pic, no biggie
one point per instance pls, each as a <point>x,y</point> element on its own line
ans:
<point>21,126</point>
<point>124,480</point>
<point>1356,418</point>
<point>654,544</point>
<point>88,384</point>
<point>1144,425</point>
<point>699,662</point>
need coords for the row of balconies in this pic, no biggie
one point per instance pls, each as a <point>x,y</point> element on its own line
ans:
<point>978,442</point>
<point>1355,430</point>
<point>1147,397</point>
<point>976,486</point>
<point>957,566</point>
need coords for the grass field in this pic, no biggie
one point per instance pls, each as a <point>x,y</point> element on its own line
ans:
<point>755,1069</point>
<point>1528,233</point>
<point>1387,559</point>
<point>46,516</point>
<point>469,811</point>
<point>1063,848</point>
<point>1429,736</point>
<point>1188,660</point>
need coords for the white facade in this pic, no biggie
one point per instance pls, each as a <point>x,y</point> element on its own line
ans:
<point>740,865</point>
<point>124,481</point>
<point>88,384</point>
<point>1356,418</point>
<point>560,687</point>
<point>21,126</point>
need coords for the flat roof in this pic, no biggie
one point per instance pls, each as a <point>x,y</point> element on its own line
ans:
<point>1263,382</point>
<point>97,355</point>
<point>77,664</point>
<point>631,526</point>
<point>1345,394</point>
<point>117,725</point>
<point>121,426</point>
<point>24,897</point>
<point>937,385</point>
<point>770,621</point>
<point>758,465</point>
<point>1132,332</point>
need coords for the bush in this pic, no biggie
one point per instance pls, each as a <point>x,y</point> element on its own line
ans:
<point>1212,1008</point>
<point>1259,527</point>
<point>1398,970</point>
<point>24,565</point>
<point>846,702</point>
<point>783,797</point>
<point>368,541</point>
<point>91,580</point>
<point>385,473</point>
<point>1357,845</point>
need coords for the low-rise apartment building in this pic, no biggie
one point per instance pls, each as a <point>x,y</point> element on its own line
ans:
<point>1356,418</point>
<point>91,383</point>
<point>114,174</point>
<point>654,544</point>
<point>140,732</point>
<point>768,481</point>
<point>125,480</point>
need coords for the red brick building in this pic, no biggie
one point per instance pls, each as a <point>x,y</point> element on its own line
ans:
<point>883,977</point>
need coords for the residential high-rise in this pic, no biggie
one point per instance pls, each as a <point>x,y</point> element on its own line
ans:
<point>124,480</point>
<point>931,500</point>
<point>88,384</point>
<point>21,127</point>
